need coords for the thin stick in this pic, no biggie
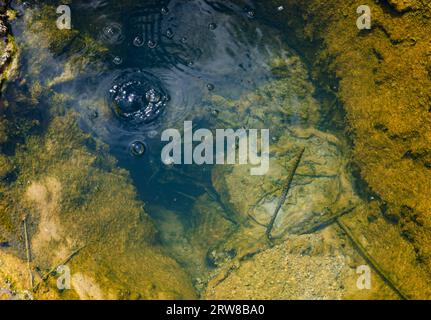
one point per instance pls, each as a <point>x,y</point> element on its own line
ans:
<point>283,197</point>
<point>64,262</point>
<point>28,253</point>
<point>370,260</point>
<point>185,195</point>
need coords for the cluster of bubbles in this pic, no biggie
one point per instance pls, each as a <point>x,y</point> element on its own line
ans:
<point>140,42</point>
<point>137,97</point>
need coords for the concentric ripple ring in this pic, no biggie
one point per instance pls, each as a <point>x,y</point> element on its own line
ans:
<point>137,97</point>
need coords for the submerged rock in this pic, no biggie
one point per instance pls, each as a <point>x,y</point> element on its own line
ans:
<point>275,105</point>
<point>321,189</point>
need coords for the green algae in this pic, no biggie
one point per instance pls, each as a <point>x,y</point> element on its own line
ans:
<point>107,220</point>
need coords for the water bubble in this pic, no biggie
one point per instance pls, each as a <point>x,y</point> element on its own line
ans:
<point>113,34</point>
<point>152,134</point>
<point>164,10</point>
<point>184,40</point>
<point>210,87</point>
<point>109,31</point>
<point>137,97</point>
<point>169,33</point>
<point>117,60</point>
<point>152,44</point>
<point>251,14</point>
<point>168,162</point>
<point>137,148</point>
<point>152,96</point>
<point>212,26</point>
<point>138,41</point>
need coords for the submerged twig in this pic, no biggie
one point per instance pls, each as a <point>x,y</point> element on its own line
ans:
<point>283,197</point>
<point>257,221</point>
<point>185,195</point>
<point>370,260</point>
<point>28,253</point>
<point>53,269</point>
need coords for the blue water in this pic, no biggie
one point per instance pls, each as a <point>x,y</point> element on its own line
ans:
<point>180,51</point>
<point>165,61</point>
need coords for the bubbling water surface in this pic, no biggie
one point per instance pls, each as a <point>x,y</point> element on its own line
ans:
<point>165,62</point>
<point>169,58</point>
<point>138,97</point>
